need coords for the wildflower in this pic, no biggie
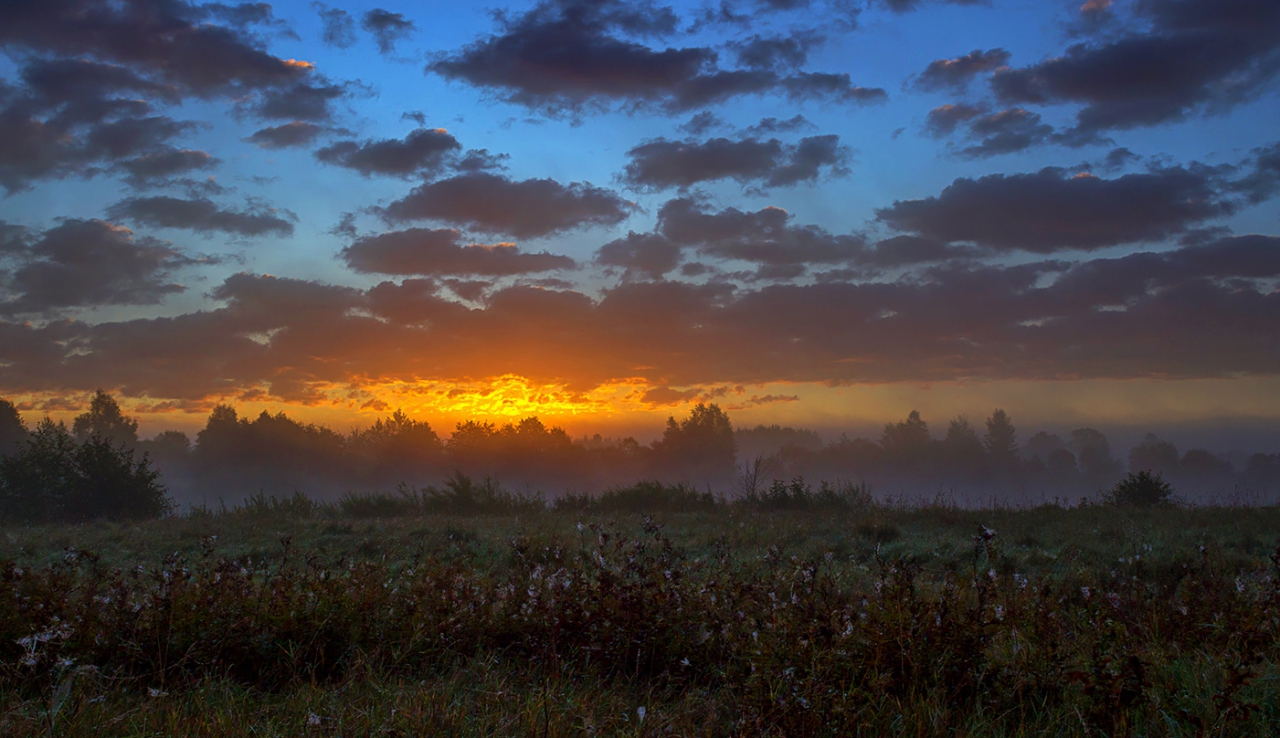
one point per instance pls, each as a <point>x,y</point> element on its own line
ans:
<point>313,719</point>
<point>1084,592</point>
<point>640,711</point>
<point>156,693</point>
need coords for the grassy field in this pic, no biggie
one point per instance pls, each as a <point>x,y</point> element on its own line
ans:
<point>372,618</point>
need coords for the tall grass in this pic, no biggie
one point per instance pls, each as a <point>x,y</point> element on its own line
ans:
<point>884,630</point>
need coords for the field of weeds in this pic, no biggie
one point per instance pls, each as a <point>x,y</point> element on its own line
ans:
<point>656,611</point>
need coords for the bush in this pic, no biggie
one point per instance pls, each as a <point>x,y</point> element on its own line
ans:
<point>643,497</point>
<point>1140,489</point>
<point>51,478</point>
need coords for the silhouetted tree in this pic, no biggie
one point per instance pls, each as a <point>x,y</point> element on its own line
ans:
<point>1062,465</point>
<point>37,482</point>
<point>1154,455</point>
<point>12,430</point>
<point>1093,453</point>
<point>698,448</point>
<point>1001,442</point>
<point>962,448</point>
<point>1201,464</point>
<point>907,442</point>
<point>105,419</point>
<point>51,478</point>
<point>397,449</point>
<point>113,484</point>
<point>1043,444</point>
<point>1262,471</point>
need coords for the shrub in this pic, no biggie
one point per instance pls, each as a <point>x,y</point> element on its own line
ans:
<point>1140,489</point>
<point>52,478</point>
<point>649,497</point>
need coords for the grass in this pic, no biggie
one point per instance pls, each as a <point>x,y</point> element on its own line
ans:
<point>800,612</point>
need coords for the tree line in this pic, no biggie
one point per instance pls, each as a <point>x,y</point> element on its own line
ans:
<point>99,467</point>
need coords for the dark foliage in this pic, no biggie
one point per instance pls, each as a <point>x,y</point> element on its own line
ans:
<point>52,478</point>
<point>1141,489</point>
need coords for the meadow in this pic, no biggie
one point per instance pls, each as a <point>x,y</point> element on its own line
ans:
<point>651,610</point>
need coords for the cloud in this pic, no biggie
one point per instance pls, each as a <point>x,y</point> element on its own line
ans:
<point>88,263</point>
<point>157,167</point>
<point>662,164</point>
<point>906,6</point>
<point>765,237</point>
<point>199,215</point>
<point>569,55</point>
<point>162,40</point>
<point>1263,182</point>
<point>387,28</point>
<point>1051,211</point>
<point>942,120</point>
<point>303,101</point>
<point>339,28</point>
<point>778,52</point>
<point>956,73</point>
<point>425,150</point>
<point>1005,132</point>
<point>1194,56</point>
<point>289,135</point>
<point>649,254</point>
<point>530,208</point>
<point>429,252</point>
<point>291,339</point>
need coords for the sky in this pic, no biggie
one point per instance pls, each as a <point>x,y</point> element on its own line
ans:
<point>819,213</point>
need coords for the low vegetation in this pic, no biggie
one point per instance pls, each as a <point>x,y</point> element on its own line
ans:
<point>650,610</point>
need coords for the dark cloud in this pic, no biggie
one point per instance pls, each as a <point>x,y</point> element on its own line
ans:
<point>1263,181</point>
<point>942,120</point>
<point>32,148</point>
<point>662,164</point>
<point>86,83</point>
<point>92,72</point>
<point>567,55</point>
<point>289,339</point>
<point>304,101</point>
<point>200,215</point>
<point>766,236</point>
<point>158,166</point>
<point>1005,132</point>
<point>246,14</point>
<point>289,135</point>
<point>777,53</point>
<point>649,254</point>
<point>529,208</point>
<point>87,263</point>
<point>703,123</point>
<point>1195,56</point>
<point>387,28</point>
<point>775,125</point>
<point>429,252</point>
<point>958,72</point>
<point>906,6</point>
<point>901,251</point>
<point>165,40</point>
<point>425,150</point>
<point>339,28</point>
<point>832,87</point>
<point>1118,158</point>
<point>1050,211</point>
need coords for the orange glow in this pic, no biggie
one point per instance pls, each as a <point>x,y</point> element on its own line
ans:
<point>618,408</point>
<point>506,397</point>
<point>298,64</point>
